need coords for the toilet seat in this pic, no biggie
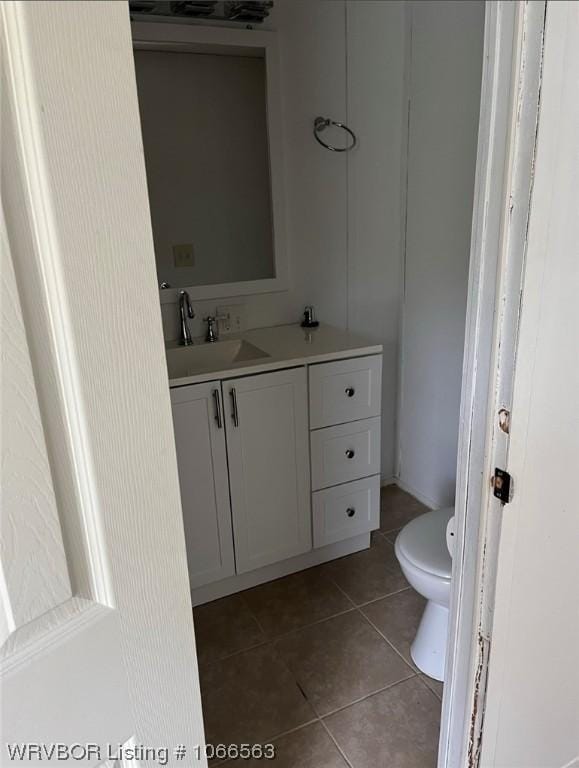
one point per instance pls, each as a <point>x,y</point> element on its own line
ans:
<point>422,542</point>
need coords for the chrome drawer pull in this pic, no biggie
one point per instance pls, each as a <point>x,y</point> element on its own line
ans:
<point>234,411</point>
<point>350,511</point>
<point>350,391</point>
<point>350,453</point>
<point>217,401</point>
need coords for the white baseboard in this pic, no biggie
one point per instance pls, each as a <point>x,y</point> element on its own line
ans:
<point>428,501</point>
<point>269,572</point>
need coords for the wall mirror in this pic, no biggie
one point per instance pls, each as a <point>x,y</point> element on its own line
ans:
<point>211,125</point>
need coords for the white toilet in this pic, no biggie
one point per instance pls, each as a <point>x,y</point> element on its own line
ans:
<point>424,556</point>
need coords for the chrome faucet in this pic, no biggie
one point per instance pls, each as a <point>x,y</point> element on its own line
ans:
<point>185,311</point>
<point>211,331</point>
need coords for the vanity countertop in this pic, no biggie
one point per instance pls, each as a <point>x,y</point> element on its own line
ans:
<point>283,345</point>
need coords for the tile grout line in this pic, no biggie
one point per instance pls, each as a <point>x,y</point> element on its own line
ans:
<point>274,639</point>
<point>237,653</point>
<point>306,698</point>
<point>421,676</point>
<point>277,736</point>
<point>339,588</point>
<point>253,615</point>
<point>313,623</point>
<point>358,608</point>
<point>383,636</point>
<point>334,741</point>
<point>282,734</point>
<point>383,597</point>
<point>333,712</point>
<point>367,602</point>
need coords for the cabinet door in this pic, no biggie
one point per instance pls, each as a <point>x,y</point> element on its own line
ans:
<point>267,445</point>
<point>202,460</point>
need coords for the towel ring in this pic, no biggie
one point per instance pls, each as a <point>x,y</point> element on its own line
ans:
<point>321,123</point>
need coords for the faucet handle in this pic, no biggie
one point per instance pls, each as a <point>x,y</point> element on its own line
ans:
<point>211,334</point>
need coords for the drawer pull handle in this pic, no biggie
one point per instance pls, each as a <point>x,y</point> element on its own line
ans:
<point>234,411</point>
<point>217,401</point>
<point>350,453</point>
<point>350,511</point>
<point>350,391</point>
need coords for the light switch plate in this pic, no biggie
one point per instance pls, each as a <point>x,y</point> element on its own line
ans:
<point>184,255</point>
<point>232,318</point>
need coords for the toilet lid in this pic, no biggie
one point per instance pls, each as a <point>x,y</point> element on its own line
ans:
<point>423,542</point>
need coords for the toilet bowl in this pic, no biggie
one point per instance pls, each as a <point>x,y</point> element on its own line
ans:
<point>423,554</point>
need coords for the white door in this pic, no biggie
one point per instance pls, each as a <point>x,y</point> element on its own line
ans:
<point>532,704</point>
<point>202,460</point>
<point>95,610</point>
<point>267,444</point>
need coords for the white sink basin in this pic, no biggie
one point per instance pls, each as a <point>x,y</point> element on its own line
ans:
<point>204,358</point>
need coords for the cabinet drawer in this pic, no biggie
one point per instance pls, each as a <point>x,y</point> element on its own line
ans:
<point>345,452</point>
<point>346,510</point>
<point>346,390</point>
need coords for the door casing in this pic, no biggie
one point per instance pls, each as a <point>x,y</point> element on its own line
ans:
<point>510,99</point>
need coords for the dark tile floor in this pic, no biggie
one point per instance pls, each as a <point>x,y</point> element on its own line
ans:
<point>318,662</point>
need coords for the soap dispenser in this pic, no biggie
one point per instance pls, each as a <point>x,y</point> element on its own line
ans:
<point>309,320</point>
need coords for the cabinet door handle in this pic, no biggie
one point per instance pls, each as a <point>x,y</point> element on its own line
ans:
<point>350,453</point>
<point>217,401</point>
<point>350,511</point>
<point>350,391</point>
<point>234,411</point>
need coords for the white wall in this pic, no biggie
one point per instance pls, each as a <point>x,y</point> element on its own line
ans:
<point>376,95</point>
<point>445,72</point>
<point>344,60</point>
<point>356,60</point>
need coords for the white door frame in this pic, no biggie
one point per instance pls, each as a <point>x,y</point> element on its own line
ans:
<point>510,94</point>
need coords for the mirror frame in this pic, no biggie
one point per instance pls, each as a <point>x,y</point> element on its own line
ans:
<point>149,35</point>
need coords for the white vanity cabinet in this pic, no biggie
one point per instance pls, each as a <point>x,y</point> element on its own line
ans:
<point>279,467</point>
<point>267,445</point>
<point>203,479</point>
